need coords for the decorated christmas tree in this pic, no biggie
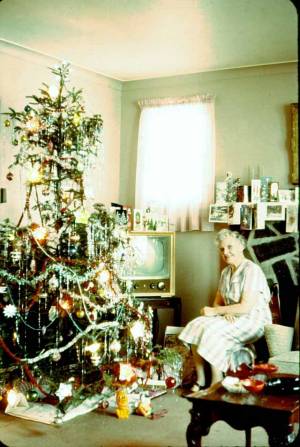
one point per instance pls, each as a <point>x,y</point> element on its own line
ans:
<point>68,320</point>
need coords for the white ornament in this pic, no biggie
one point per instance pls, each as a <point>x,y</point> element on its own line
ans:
<point>64,390</point>
<point>10,311</point>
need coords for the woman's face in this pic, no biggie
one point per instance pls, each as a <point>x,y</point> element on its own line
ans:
<point>231,250</point>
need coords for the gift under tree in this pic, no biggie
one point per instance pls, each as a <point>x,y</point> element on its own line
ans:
<point>67,317</point>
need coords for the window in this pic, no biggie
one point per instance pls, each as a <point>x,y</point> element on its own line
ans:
<point>176,159</point>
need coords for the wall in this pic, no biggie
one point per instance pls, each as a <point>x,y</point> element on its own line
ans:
<point>252,131</point>
<point>22,74</point>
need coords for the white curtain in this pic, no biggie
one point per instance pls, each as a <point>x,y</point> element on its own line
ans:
<point>176,159</point>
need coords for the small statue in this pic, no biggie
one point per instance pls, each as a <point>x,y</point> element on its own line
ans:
<point>122,410</point>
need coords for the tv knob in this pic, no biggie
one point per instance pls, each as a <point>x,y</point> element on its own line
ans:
<point>152,285</point>
<point>135,286</point>
<point>161,285</point>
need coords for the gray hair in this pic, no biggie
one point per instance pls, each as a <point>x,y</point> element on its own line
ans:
<point>228,233</point>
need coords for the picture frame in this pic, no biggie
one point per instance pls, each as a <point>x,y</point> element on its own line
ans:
<point>286,195</point>
<point>294,144</point>
<point>246,217</point>
<point>291,218</point>
<point>275,211</point>
<point>218,213</point>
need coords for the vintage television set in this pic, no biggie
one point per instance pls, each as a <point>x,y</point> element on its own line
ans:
<point>153,269</point>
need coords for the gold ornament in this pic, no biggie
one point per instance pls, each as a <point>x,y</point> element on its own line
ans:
<point>7,123</point>
<point>68,143</point>
<point>80,313</point>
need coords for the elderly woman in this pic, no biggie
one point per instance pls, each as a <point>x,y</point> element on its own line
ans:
<point>239,313</point>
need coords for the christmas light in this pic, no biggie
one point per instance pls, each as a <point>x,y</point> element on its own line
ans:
<point>103,276</point>
<point>40,233</point>
<point>137,330</point>
<point>34,176</point>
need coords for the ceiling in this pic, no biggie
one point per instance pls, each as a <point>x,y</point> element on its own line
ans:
<point>140,39</point>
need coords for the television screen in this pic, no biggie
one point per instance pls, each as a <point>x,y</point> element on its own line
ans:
<point>152,269</point>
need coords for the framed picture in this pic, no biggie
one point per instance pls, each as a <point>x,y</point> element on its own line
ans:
<point>286,195</point>
<point>218,213</point>
<point>291,218</point>
<point>246,217</point>
<point>294,144</point>
<point>275,211</point>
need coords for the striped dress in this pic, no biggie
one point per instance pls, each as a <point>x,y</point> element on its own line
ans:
<point>215,337</point>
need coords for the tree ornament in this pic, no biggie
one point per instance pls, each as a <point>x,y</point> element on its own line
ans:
<point>32,395</point>
<point>15,142</point>
<point>7,123</point>
<point>170,382</point>
<point>27,108</point>
<point>56,356</point>
<point>24,138</point>
<point>10,176</point>
<point>53,283</point>
<point>80,313</point>
<point>10,311</point>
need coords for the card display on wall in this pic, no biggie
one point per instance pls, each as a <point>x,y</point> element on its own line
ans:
<point>218,213</point>
<point>275,211</point>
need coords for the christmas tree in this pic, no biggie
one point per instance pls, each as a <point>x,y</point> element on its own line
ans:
<point>67,317</point>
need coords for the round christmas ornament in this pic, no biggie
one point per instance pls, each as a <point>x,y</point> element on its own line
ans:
<point>170,382</point>
<point>32,395</point>
<point>10,176</point>
<point>7,123</point>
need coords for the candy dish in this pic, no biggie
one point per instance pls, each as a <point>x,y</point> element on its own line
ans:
<point>253,385</point>
<point>264,368</point>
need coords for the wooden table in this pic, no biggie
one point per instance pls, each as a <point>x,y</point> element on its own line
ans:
<point>277,414</point>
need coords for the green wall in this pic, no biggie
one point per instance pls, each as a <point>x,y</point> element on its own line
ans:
<point>252,135</point>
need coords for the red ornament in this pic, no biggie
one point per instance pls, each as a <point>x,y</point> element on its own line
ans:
<point>170,382</point>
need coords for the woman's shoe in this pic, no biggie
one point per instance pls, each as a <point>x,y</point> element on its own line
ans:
<point>197,387</point>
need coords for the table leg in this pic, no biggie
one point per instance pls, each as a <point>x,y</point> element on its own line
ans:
<point>284,437</point>
<point>198,427</point>
<point>248,437</point>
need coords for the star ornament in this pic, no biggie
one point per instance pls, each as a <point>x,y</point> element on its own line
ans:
<point>10,311</point>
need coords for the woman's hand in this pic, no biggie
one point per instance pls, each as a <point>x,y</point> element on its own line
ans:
<point>229,317</point>
<point>208,311</point>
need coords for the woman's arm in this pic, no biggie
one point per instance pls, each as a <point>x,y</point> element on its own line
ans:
<point>218,301</point>
<point>246,304</point>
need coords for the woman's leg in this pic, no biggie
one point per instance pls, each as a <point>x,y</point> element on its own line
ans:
<point>199,365</point>
<point>216,375</point>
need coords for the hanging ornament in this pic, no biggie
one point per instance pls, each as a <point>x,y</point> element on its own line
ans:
<point>24,138</point>
<point>7,123</point>
<point>53,313</point>
<point>10,311</point>
<point>80,313</point>
<point>170,382</point>
<point>66,302</point>
<point>16,256</point>
<point>115,346</point>
<point>53,283</point>
<point>27,108</point>
<point>15,142</point>
<point>56,356</point>
<point>10,176</point>
<point>33,265</point>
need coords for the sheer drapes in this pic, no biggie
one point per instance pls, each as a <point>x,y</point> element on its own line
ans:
<point>176,159</point>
